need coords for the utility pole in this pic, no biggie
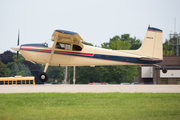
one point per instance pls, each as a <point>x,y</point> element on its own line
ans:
<point>74,75</point>
<point>65,77</point>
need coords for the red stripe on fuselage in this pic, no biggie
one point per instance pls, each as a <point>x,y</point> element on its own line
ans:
<point>77,53</point>
<point>57,51</point>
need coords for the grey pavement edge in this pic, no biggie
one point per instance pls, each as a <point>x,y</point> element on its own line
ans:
<point>90,88</point>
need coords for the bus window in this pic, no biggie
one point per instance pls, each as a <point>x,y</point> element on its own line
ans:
<point>6,82</point>
<point>19,82</point>
<point>27,81</point>
<point>1,82</point>
<point>23,81</point>
<point>10,82</point>
<point>31,81</point>
<point>14,82</point>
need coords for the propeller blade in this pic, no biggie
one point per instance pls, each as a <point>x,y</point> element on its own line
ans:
<point>17,56</point>
<point>18,39</point>
<point>16,48</point>
<point>19,47</point>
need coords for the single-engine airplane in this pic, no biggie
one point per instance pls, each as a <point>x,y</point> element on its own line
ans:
<point>67,50</point>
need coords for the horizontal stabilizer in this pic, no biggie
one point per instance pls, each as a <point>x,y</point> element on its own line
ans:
<point>148,59</point>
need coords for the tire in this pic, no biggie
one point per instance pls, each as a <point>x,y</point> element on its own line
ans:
<point>43,77</point>
<point>164,70</point>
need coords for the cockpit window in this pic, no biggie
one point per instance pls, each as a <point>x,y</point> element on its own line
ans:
<point>63,46</point>
<point>76,48</point>
<point>45,44</point>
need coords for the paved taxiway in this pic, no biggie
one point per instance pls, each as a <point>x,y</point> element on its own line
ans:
<point>90,88</point>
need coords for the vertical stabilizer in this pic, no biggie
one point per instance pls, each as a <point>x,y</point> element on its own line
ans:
<point>152,44</point>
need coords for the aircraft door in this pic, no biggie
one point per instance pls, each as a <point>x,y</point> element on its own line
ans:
<point>61,53</point>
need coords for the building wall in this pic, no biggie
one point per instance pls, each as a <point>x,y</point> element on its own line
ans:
<point>170,60</point>
<point>170,74</point>
<point>156,77</point>
<point>172,80</point>
<point>172,63</point>
<point>147,72</point>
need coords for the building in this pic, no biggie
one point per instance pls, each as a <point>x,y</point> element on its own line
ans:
<point>153,74</point>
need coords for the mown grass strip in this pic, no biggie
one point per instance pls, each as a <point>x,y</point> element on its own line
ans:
<point>90,106</point>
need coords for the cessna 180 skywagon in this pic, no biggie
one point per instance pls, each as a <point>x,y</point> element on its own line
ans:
<point>68,50</point>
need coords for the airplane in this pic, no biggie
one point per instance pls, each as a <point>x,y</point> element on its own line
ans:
<point>67,50</point>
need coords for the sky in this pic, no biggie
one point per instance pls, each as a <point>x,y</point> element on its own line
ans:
<point>96,21</point>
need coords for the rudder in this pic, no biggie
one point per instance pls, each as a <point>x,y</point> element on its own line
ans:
<point>152,44</point>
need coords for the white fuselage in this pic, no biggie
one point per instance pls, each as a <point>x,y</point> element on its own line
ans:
<point>68,50</point>
<point>88,56</point>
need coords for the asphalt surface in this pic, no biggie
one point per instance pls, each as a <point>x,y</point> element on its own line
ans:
<point>90,88</point>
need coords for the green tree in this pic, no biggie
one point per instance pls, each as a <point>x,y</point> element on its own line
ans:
<point>87,74</point>
<point>119,45</point>
<point>10,64</point>
<point>109,74</point>
<point>25,70</point>
<point>20,58</point>
<point>135,44</point>
<point>86,43</point>
<point>20,69</point>
<point>20,73</point>
<point>167,48</point>
<point>125,42</point>
<point>15,69</point>
<point>4,70</point>
<point>105,45</point>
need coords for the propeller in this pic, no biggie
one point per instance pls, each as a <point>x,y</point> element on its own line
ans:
<point>18,45</point>
<point>17,48</point>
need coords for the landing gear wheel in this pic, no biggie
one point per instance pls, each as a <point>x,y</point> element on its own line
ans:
<point>164,70</point>
<point>43,77</point>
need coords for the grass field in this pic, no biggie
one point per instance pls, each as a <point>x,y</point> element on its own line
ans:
<point>90,106</point>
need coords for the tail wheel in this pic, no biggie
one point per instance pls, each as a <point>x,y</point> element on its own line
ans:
<point>164,70</point>
<point>43,77</point>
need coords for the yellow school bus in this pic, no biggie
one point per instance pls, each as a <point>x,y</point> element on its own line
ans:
<point>17,80</point>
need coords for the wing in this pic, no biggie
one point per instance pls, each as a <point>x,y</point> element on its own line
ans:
<point>65,36</point>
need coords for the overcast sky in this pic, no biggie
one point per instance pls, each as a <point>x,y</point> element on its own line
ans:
<point>95,20</point>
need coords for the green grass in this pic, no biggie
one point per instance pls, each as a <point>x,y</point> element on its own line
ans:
<point>90,106</point>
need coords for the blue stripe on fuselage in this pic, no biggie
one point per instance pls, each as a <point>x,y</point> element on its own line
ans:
<point>124,59</point>
<point>115,58</point>
<point>34,45</point>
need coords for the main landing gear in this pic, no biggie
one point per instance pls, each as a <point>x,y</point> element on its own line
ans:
<point>164,70</point>
<point>43,77</point>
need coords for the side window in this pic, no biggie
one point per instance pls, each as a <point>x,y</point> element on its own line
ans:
<point>76,48</point>
<point>63,46</point>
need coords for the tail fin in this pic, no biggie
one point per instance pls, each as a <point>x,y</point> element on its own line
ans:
<point>152,44</point>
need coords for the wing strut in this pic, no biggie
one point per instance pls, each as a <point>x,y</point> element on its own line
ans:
<point>43,76</point>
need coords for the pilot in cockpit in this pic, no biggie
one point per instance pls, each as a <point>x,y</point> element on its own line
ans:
<point>58,45</point>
